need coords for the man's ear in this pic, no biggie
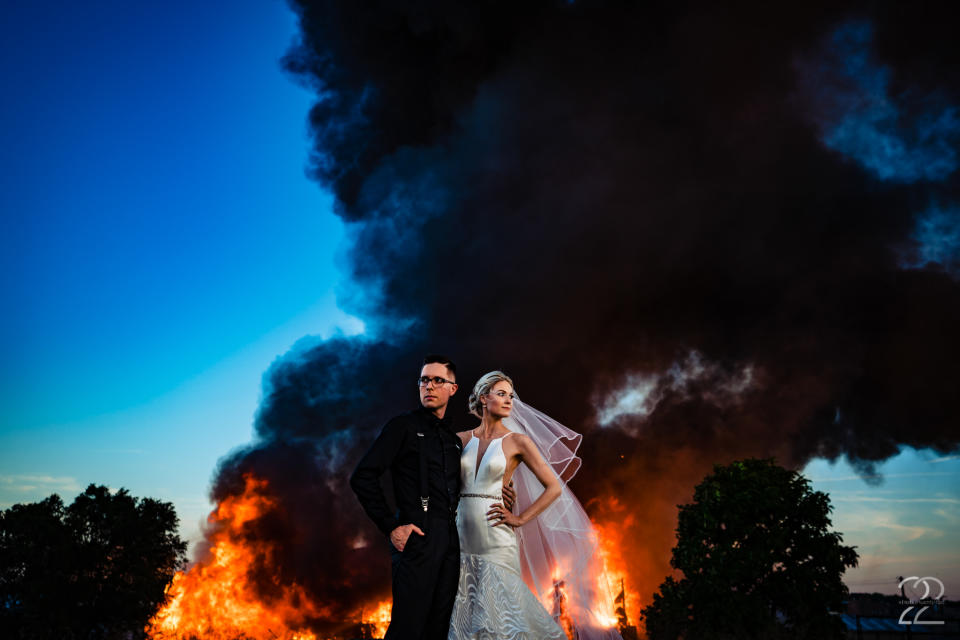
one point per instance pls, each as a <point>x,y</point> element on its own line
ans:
<point>453,388</point>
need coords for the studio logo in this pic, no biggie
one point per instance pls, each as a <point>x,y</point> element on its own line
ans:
<point>920,597</point>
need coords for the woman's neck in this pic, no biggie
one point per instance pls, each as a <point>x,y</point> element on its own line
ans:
<point>489,426</point>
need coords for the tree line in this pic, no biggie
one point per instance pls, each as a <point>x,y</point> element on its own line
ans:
<point>97,568</point>
<point>754,547</point>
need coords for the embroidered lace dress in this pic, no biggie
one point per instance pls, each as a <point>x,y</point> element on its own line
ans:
<point>493,602</point>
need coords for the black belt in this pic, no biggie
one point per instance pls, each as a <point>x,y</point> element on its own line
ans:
<point>443,517</point>
<point>435,515</point>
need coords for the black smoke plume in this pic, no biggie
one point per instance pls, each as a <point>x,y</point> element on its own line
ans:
<point>664,220</point>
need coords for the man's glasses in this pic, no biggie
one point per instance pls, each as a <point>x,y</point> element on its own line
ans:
<point>423,381</point>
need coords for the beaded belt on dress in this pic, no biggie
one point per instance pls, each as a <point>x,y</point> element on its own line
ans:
<point>480,495</point>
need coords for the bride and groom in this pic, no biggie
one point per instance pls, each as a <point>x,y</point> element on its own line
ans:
<point>463,564</point>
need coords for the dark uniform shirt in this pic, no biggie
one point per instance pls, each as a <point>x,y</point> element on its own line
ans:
<point>397,448</point>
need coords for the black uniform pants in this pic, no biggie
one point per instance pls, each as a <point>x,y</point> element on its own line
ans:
<point>425,578</point>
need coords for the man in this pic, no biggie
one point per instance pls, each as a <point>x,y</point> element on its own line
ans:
<point>425,547</point>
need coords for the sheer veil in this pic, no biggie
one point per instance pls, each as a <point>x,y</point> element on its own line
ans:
<point>559,549</point>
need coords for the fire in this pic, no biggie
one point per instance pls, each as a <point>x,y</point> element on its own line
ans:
<point>379,620</point>
<point>558,609</point>
<point>607,598</point>
<point>213,600</point>
<point>614,575</point>
<point>610,540</point>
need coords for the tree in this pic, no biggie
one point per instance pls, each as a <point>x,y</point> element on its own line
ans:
<point>96,569</point>
<point>757,560</point>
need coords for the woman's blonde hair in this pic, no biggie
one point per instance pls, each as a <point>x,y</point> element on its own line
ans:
<point>482,388</point>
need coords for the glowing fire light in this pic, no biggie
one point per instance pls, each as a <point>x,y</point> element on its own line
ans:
<point>213,600</point>
<point>380,619</point>
<point>614,573</point>
<point>605,589</point>
<point>558,608</point>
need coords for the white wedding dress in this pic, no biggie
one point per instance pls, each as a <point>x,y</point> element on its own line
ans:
<point>493,602</point>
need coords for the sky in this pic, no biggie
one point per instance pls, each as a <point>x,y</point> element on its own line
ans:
<point>164,245</point>
<point>162,241</point>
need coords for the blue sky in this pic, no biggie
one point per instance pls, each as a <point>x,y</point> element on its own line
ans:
<point>905,520</point>
<point>163,246</point>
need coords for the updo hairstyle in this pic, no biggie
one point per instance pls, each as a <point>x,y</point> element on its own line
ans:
<point>482,388</point>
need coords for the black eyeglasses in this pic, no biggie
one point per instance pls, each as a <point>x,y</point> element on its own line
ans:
<point>423,381</point>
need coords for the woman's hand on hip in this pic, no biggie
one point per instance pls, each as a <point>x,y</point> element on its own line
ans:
<point>499,514</point>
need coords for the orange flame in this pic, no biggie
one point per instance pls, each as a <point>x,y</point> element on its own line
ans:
<point>606,587</point>
<point>213,600</point>
<point>614,574</point>
<point>380,619</point>
<point>610,539</point>
<point>558,608</point>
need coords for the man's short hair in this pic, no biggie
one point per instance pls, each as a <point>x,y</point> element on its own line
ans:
<point>440,359</point>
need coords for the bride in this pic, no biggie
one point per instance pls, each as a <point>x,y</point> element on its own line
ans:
<point>550,546</point>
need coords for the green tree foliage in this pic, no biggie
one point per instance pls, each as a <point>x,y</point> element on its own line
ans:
<point>757,559</point>
<point>95,569</point>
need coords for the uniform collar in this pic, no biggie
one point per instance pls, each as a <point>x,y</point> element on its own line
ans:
<point>432,419</point>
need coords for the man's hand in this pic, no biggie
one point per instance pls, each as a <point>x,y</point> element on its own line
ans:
<point>400,535</point>
<point>509,496</point>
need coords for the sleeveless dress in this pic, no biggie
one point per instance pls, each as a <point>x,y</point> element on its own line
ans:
<point>493,602</point>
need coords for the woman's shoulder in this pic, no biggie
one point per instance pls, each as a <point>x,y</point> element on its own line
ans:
<point>465,436</point>
<point>517,441</point>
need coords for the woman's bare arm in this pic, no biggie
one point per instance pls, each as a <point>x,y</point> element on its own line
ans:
<point>528,454</point>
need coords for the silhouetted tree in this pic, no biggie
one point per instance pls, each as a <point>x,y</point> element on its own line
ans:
<point>757,559</point>
<point>96,569</point>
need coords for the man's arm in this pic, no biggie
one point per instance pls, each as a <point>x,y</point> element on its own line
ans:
<point>365,480</point>
<point>509,495</point>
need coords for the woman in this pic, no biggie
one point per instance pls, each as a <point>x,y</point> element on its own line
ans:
<point>550,544</point>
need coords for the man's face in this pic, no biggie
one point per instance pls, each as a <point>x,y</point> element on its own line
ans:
<point>432,395</point>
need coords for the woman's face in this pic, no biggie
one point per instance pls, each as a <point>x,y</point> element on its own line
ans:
<point>500,400</point>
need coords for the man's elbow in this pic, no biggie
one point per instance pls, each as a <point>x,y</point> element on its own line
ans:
<point>357,480</point>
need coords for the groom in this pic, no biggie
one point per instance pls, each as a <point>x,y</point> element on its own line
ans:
<point>422,452</point>
<point>425,550</point>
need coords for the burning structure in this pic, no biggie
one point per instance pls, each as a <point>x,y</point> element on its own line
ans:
<point>693,234</point>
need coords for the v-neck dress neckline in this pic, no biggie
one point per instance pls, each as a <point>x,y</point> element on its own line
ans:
<point>482,454</point>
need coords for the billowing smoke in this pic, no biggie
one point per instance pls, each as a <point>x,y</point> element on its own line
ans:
<point>694,235</point>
